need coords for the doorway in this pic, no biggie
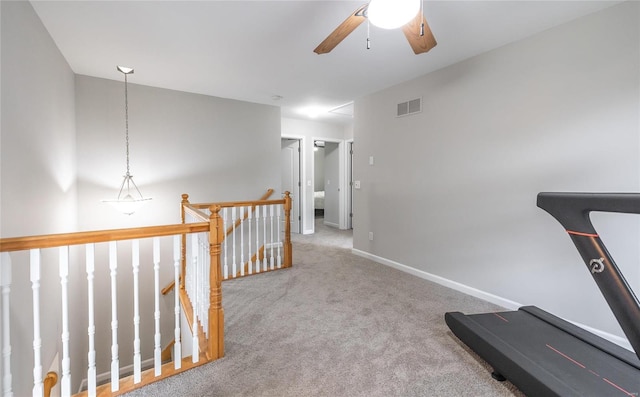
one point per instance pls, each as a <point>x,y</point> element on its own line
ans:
<point>290,177</point>
<point>350,185</point>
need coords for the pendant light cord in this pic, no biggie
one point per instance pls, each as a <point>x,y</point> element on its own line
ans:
<point>126,119</point>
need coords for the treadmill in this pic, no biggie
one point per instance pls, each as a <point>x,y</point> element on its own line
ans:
<point>544,355</point>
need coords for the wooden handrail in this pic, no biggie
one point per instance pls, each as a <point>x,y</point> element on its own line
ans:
<point>196,213</point>
<point>167,351</point>
<point>240,203</point>
<point>49,382</point>
<point>193,210</point>
<point>101,236</point>
<point>238,221</point>
<point>169,287</point>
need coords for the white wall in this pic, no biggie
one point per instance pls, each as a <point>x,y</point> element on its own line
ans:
<point>453,189</point>
<point>308,131</point>
<point>37,171</point>
<point>318,169</point>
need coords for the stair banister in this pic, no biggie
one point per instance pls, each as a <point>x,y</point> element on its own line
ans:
<point>216,312</point>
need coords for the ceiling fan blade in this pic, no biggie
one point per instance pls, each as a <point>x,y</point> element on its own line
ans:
<point>353,21</point>
<point>419,43</point>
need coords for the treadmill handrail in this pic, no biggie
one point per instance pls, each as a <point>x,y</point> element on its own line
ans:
<point>572,211</point>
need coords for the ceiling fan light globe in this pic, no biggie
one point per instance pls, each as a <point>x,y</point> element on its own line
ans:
<point>392,14</point>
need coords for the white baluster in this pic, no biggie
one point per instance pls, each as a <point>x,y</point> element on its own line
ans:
<point>264,237</point>
<point>233,232</point>
<point>271,258</point>
<point>189,267</point>
<point>204,296</point>
<point>5,284</point>
<point>249,225</point>
<point>177,346</point>
<point>37,341</point>
<point>201,278</point>
<point>279,262</point>
<point>115,361</point>
<point>91,329</point>
<point>135,264</point>
<point>225,272</point>
<point>195,354</point>
<point>242,241</point>
<point>65,383</point>
<point>157,351</point>
<point>257,239</point>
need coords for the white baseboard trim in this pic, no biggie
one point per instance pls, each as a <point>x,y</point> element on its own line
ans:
<point>331,224</point>
<point>506,303</point>
<point>465,289</point>
<point>618,340</point>
<point>124,371</point>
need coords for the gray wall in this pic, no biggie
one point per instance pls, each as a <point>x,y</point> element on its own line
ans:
<point>63,151</point>
<point>214,149</point>
<point>37,171</point>
<point>453,189</point>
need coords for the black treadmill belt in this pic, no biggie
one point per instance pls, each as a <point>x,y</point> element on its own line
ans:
<point>547,359</point>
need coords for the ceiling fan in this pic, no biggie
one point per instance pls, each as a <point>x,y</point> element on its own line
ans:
<point>409,16</point>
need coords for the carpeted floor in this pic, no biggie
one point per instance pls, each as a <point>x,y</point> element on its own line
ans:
<point>337,325</point>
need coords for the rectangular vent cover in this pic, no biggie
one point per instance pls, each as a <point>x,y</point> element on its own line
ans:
<point>409,107</point>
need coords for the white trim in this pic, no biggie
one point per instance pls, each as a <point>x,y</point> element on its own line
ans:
<point>341,179</point>
<point>506,303</point>
<point>465,289</point>
<point>618,340</point>
<point>331,224</point>
<point>303,190</point>
<point>348,191</point>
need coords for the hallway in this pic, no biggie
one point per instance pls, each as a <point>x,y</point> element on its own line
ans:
<point>326,236</point>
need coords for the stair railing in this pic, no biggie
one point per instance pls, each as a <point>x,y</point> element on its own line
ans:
<point>202,247</point>
<point>82,247</point>
<point>257,235</point>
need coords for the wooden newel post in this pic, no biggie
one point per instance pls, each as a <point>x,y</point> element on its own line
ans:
<point>288,256</point>
<point>183,250</point>
<point>216,312</point>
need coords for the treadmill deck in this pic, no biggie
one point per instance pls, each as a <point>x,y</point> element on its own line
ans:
<point>544,355</point>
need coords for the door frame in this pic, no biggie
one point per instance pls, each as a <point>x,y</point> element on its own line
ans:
<point>343,181</point>
<point>302,189</point>
<point>348,175</point>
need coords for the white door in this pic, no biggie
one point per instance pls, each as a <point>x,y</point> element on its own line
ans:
<point>290,168</point>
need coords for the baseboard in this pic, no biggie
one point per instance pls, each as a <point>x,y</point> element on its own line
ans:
<point>337,226</point>
<point>465,289</point>
<point>273,245</point>
<point>618,340</point>
<point>506,303</point>
<point>124,371</point>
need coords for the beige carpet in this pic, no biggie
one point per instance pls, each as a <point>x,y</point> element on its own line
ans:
<point>338,325</point>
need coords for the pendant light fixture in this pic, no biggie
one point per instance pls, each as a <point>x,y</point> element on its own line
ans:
<point>129,198</point>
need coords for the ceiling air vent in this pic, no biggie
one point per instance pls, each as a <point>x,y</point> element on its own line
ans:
<point>409,107</point>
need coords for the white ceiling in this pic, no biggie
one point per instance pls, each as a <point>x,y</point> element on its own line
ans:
<point>255,50</point>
